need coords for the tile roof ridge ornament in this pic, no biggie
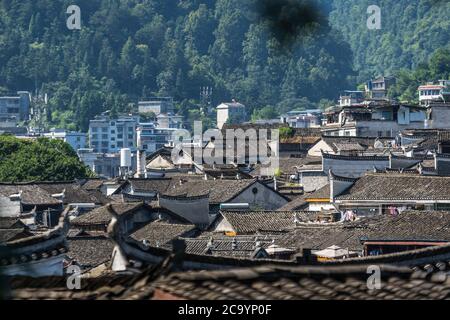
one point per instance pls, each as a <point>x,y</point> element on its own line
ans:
<point>296,220</point>
<point>234,244</point>
<point>16,197</point>
<point>257,244</point>
<point>333,176</point>
<point>210,241</point>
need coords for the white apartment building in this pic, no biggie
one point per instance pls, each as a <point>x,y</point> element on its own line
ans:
<point>434,92</point>
<point>77,140</point>
<point>108,135</point>
<point>151,138</point>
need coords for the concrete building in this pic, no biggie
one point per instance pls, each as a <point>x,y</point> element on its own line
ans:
<point>379,87</point>
<point>430,92</point>
<point>373,119</point>
<point>77,140</point>
<point>233,113</point>
<point>157,106</point>
<point>103,164</point>
<point>151,138</point>
<point>350,98</point>
<point>169,121</point>
<point>303,118</point>
<point>107,135</point>
<point>14,109</point>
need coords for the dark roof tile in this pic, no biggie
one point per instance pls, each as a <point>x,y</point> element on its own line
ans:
<point>398,187</point>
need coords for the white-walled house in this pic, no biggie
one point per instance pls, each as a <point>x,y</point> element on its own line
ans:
<point>233,111</point>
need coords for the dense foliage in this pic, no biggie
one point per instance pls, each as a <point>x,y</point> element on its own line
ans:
<point>40,160</point>
<point>273,55</point>
<point>411,31</point>
<point>438,67</point>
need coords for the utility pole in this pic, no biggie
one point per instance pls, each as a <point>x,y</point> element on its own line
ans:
<point>206,99</point>
<point>39,109</point>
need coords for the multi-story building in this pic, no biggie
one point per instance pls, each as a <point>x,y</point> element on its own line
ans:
<point>77,140</point>
<point>105,165</point>
<point>303,118</point>
<point>169,121</point>
<point>431,93</point>
<point>109,135</point>
<point>350,98</point>
<point>373,119</point>
<point>233,113</point>
<point>379,87</point>
<point>14,109</point>
<point>156,105</point>
<point>151,138</point>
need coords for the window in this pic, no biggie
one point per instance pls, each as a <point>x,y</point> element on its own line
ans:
<point>104,129</point>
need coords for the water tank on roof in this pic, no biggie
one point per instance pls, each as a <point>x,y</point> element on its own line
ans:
<point>125,158</point>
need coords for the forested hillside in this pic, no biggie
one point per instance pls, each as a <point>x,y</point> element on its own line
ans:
<point>411,31</point>
<point>272,55</point>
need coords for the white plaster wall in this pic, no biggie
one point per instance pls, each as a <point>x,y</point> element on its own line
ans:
<point>9,208</point>
<point>265,198</point>
<point>352,169</point>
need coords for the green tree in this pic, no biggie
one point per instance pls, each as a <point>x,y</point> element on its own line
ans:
<point>40,160</point>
